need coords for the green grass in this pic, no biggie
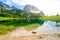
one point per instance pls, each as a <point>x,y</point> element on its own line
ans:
<point>51,18</point>
<point>5,29</point>
<point>8,18</point>
<point>5,18</point>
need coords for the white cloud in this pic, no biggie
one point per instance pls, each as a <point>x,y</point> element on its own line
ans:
<point>8,2</point>
<point>49,7</point>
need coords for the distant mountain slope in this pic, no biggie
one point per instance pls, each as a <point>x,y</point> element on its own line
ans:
<point>12,4</point>
<point>12,11</point>
<point>4,5</point>
<point>31,8</point>
<point>34,10</point>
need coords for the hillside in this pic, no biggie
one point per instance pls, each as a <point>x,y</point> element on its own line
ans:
<point>7,11</point>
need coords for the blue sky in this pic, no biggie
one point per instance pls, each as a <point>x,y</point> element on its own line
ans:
<point>3,0</point>
<point>49,7</point>
<point>11,3</point>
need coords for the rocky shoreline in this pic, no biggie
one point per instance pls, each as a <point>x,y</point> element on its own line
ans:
<point>22,34</point>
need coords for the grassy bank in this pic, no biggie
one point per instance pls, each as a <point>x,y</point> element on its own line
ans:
<point>9,18</point>
<point>6,18</point>
<point>51,18</point>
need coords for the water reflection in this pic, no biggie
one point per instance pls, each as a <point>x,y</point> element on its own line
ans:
<point>45,24</point>
<point>48,27</point>
<point>50,23</point>
<point>58,23</point>
<point>21,22</point>
<point>25,22</point>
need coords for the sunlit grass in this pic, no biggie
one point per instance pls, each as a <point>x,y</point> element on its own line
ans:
<point>51,18</point>
<point>4,29</point>
<point>8,18</point>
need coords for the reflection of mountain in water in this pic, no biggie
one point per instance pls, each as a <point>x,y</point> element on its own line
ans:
<point>21,22</point>
<point>48,27</point>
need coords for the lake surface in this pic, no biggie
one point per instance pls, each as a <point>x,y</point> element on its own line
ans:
<point>49,27</point>
<point>44,26</point>
<point>24,22</point>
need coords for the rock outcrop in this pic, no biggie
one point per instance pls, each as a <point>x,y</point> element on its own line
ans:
<point>31,8</point>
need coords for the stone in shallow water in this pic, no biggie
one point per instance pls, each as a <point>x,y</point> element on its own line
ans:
<point>33,32</point>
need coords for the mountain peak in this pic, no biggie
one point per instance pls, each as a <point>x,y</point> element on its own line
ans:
<point>31,8</point>
<point>4,5</point>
